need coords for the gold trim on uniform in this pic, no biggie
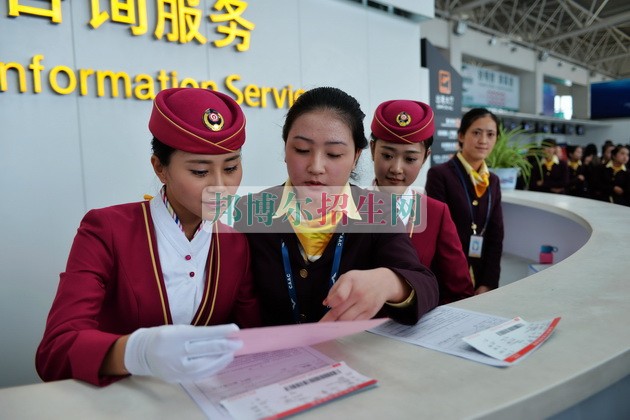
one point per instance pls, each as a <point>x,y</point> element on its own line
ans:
<point>216,281</point>
<point>412,217</point>
<point>405,302</point>
<point>154,263</point>
<point>209,283</point>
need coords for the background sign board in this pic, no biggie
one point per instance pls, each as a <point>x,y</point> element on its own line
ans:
<point>487,88</point>
<point>445,90</point>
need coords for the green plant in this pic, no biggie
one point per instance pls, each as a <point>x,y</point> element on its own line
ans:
<point>510,152</point>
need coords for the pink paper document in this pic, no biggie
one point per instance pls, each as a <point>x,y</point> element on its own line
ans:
<point>258,340</point>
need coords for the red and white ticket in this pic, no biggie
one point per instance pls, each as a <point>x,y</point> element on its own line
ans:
<point>297,394</point>
<point>512,340</point>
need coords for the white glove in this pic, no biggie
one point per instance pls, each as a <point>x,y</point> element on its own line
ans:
<point>179,353</point>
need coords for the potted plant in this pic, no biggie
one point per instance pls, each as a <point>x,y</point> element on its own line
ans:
<point>510,157</point>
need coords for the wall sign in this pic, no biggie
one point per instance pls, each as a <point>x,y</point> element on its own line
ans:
<point>445,88</point>
<point>489,89</point>
<point>63,80</point>
<point>175,20</point>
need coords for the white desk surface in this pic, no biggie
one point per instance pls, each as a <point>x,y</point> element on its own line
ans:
<point>589,350</point>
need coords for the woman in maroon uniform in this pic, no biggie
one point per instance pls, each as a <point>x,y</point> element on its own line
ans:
<point>148,283</point>
<point>402,134</point>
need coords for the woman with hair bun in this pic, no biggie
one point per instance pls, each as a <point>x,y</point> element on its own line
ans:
<point>473,196</point>
<point>324,249</point>
<point>157,287</point>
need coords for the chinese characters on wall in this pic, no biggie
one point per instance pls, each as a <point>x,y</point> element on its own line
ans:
<point>175,21</point>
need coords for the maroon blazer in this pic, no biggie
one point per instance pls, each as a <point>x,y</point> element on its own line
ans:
<point>440,249</point>
<point>365,247</point>
<point>113,285</point>
<point>450,184</point>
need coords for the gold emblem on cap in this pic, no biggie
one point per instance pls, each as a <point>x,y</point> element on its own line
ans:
<point>403,119</point>
<point>213,119</point>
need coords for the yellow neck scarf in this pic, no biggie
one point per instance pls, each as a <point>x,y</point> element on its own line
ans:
<point>550,162</point>
<point>575,165</point>
<point>615,168</point>
<point>314,235</point>
<point>313,232</point>
<point>481,179</point>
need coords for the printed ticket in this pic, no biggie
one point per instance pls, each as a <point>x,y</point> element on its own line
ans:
<point>512,340</point>
<point>297,394</point>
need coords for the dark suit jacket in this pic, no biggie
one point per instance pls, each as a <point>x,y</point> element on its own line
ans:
<point>365,247</point>
<point>113,285</point>
<point>557,177</point>
<point>576,187</point>
<point>606,180</point>
<point>444,183</point>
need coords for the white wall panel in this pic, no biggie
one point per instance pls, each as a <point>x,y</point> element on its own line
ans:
<point>41,189</point>
<point>273,61</point>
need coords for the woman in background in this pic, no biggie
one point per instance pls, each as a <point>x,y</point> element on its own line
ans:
<point>552,175</point>
<point>577,181</point>
<point>612,180</point>
<point>607,149</point>
<point>590,162</point>
<point>473,196</point>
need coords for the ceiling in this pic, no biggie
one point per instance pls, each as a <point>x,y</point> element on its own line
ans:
<point>593,34</point>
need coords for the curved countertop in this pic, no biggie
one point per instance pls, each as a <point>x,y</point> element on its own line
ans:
<point>589,350</point>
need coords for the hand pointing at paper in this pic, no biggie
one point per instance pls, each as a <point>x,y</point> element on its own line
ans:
<point>360,294</point>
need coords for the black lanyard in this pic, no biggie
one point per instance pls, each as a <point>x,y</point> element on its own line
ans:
<point>288,275</point>
<point>472,216</point>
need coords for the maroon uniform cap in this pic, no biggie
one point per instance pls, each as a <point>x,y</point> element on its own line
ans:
<point>197,120</point>
<point>403,121</point>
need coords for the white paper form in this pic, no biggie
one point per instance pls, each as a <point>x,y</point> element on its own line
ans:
<point>252,371</point>
<point>443,329</point>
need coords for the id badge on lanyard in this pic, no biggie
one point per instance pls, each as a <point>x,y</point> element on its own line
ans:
<point>476,245</point>
<point>476,241</point>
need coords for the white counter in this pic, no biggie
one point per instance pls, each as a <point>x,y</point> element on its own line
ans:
<point>589,351</point>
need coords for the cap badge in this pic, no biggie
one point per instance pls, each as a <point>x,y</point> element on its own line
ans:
<point>213,120</point>
<point>403,119</point>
